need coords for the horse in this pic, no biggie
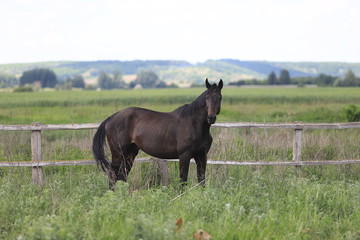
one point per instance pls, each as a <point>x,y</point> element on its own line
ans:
<point>181,134</point>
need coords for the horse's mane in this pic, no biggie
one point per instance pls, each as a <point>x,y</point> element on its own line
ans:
<point>188,109</point>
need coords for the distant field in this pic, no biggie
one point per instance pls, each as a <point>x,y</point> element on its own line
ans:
<point>239,104</point>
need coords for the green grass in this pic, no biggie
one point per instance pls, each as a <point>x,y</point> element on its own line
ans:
<point>239,104</point>
<point>247,203</point>
<point>238,202</point>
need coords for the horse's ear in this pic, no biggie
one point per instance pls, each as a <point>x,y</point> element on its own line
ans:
<point>221,84</point>
<point>208,86</point>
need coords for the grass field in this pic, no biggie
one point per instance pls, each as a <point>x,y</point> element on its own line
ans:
<point>237,203</point>
<point>239,104</point>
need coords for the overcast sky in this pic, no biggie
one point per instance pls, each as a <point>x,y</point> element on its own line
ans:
<point>191,30</point>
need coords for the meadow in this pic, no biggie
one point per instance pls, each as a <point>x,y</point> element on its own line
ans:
<point>239,104</point>
<point>237,203</point>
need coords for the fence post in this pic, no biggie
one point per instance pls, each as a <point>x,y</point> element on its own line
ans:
<point>164,172</point>
<point>297,147</point>
<point>37,174</point>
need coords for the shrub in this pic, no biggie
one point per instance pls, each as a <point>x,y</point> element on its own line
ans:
<point>352,113</point>
<point>23,89</point>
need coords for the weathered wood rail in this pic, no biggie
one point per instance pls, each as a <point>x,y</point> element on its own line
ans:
<point>37,163</point>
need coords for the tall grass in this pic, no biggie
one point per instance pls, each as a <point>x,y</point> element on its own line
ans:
<point>247,203</point>
<point>239,202</point>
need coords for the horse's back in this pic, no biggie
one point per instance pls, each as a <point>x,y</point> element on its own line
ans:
<point>153,132</point>
<point>138,115</point>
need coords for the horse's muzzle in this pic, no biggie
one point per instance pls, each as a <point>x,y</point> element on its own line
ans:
<point>211,119</point>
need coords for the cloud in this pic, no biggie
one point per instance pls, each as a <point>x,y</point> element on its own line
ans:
<point>303,30</point>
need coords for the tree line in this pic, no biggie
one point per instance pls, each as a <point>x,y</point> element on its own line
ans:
<point>321,80</point>
<point>46,78</point>
<point>144,79</point>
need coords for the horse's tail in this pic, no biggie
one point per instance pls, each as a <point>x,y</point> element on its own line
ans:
<point>98,147</point>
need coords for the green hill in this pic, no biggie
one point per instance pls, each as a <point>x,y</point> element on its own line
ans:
<point>182,72</point>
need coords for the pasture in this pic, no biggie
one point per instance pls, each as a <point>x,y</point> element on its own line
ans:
<point>238,202</point>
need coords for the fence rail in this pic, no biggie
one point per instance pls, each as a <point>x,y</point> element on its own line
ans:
<point>297,127</point>
<point>211,162</point>
<point>82,126</point>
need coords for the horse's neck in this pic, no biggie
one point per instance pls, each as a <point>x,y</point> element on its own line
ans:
<point>197,107</point>
<point>194,115</point>
<point>198,114</point>
<point>200,119</point>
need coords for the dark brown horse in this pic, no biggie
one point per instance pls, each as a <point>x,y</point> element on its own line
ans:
<point>181,134</point>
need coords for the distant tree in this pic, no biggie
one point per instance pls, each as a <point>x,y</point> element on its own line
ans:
<point>272,79</point>
<point>76,82</point>
<point>118,79</point>
<point>161,84</point>
<point>301,81</point>
<point>8,80</point>
<point>46,77</point>
<point>350,80</point>
<point>107,82</point>
<point>237,83</point>
<point>284,77</point>
<point>147,79</point>
<point>339,83</point>
<point>325,80</point>
<point>255,81</point>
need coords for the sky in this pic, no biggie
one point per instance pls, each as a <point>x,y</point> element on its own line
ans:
<point>189,30</point>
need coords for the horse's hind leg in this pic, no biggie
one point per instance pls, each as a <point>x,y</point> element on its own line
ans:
<point>122,162</point>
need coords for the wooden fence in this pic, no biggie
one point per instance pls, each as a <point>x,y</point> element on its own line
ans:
<point>37,163</point>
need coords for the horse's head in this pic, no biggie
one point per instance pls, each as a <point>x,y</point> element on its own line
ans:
<point>213,100</point>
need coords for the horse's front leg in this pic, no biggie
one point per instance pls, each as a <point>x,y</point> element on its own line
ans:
<point>201,160</point>
<point>184,167</point>
<point>201,167</point>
